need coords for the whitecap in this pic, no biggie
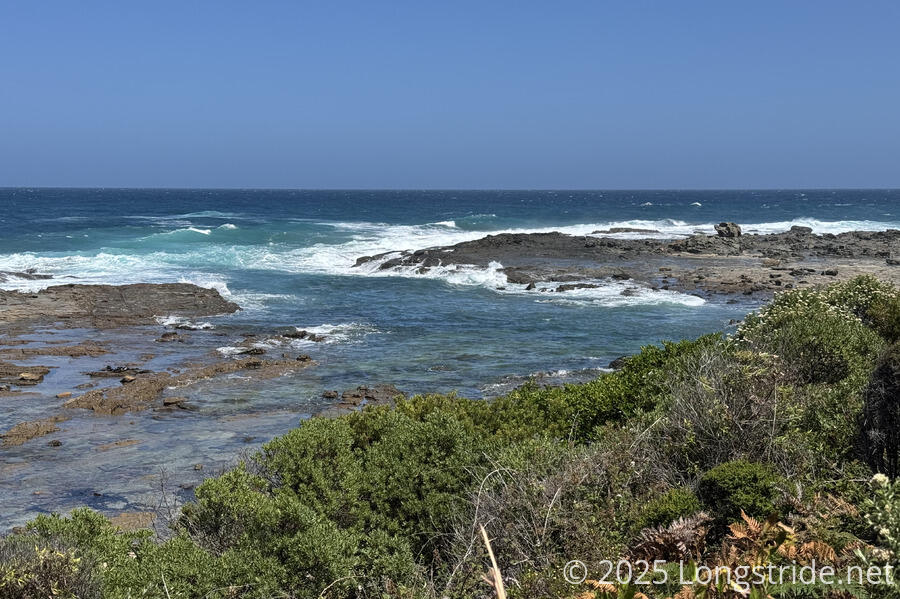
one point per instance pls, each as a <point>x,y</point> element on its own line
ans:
<point>180,321</point>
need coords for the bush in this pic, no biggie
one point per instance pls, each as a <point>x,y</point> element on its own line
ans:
<point>740,485</point>
<point>883,315</point>
<point>663,509</point>
<point>386,502</point>
<point>32,567</point>
<point>722,406</point>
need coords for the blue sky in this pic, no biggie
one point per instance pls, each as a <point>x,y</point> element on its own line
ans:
<point>488,94</point>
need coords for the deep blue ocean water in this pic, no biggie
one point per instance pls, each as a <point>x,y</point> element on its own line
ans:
<point>287,258</point>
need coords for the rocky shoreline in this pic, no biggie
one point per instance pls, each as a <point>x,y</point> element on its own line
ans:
<point>76,357</point>
<point>111,389</point>
<point>726,263</point>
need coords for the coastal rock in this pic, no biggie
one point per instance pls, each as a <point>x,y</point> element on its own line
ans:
<point>558,258</point>
<point>25,431</point>
<point>370,395</point>
<point>30,274</point>
<point>86,349</point>
<point>17,374</point>
<point>252,351</point>
<point>303,334</point>
<point>110,306</point>
<point>170,336</point>
<point>573,286</point>
<point>117,372</point>
<point>613,230</point>
<point>145,390</point>
<point>618,363</point>
<point>729,230</point>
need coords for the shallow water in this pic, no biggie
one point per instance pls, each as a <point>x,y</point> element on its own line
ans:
<point>287,258</point>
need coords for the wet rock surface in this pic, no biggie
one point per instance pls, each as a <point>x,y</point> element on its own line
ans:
<point>105,306</point>
<point>143,389</point>
<point>25,431</point>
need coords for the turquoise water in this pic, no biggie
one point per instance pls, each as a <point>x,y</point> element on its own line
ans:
<point>287,258</point>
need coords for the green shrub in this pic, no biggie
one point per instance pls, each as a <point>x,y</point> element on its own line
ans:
<point>740,485</point>
<point>663,509</point>
<point>385,502</point>
<point>722,406</point>
<point>883,315</point>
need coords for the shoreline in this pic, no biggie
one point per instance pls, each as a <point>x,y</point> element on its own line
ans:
<point>98,354</point>
<point>728,263</point>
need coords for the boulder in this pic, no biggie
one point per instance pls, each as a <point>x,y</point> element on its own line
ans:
<point>728,230</point>
<point>618,363</point>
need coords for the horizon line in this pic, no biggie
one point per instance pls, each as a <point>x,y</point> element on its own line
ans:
<point>438,189</point>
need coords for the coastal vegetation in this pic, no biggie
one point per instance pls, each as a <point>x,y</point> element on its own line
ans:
<point>775,445</point>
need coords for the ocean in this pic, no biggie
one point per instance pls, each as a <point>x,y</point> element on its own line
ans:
<point>287,258</point>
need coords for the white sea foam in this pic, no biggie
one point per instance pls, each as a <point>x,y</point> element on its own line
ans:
<point>359,239</point>
<point>175,321</point>
<point>347,332</point>
<point>607,293</point>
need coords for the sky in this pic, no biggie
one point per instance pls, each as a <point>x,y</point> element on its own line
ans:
<point>465,95</point>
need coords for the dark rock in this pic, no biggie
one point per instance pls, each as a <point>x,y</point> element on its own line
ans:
<point>797,229</point>
<point>831,272</point>
<point>330,395</point>
<point>619,362</point>
<point>252,351</point>
<point>530,287</point>
<point>29,274</point>
<point>117,371</point>
<point>370,395</point>
<point>169,337</point>
<point>624,230</point>
<point>309,336</point>
<point>572,286</point>
<point>729,230</point>
<point>111,306</point>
